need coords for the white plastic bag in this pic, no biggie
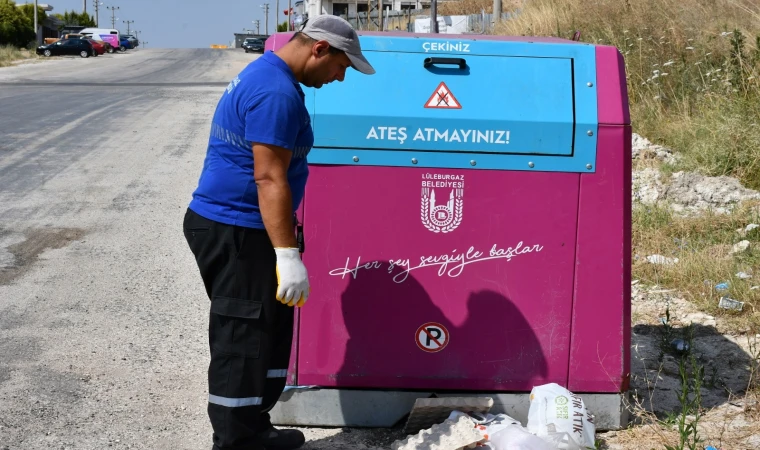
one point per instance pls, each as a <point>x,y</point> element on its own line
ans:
<point>554,409</point>
<point>515,437</point>
<point>495,424</point>
<point>561,441</point>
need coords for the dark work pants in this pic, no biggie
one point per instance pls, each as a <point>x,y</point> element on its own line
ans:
<point>250,332</point>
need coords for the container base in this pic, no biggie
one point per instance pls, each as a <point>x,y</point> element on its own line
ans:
<point>383,409</point>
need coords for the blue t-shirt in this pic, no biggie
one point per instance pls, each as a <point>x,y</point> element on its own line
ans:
<point>263,104</point>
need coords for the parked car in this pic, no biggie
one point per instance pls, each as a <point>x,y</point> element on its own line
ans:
<point>81,47</point>
<point>104,35</point>
<point>107,48</point>
<point>125,44</point>
<point>99,47</point>
<point>253,45</point>
<point>132,38</point>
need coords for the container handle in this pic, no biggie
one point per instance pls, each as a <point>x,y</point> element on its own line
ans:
<point>433,60</point>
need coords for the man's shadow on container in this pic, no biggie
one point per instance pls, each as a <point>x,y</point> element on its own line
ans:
<point>494,345</point>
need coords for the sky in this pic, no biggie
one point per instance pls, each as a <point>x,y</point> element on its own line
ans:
<point>179,24</point>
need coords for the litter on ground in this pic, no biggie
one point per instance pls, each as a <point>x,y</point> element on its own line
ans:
<point>557,420</point>
<point>660,259</point>
<point>729,303</point>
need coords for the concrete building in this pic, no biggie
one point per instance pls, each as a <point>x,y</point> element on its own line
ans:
<point>349,8</point>
<point>49,28</point>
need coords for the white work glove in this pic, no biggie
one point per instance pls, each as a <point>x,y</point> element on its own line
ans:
<point>292,279</point>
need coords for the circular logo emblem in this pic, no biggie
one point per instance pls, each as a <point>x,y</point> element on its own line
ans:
<point>441,216</point>
<point>561,400</point>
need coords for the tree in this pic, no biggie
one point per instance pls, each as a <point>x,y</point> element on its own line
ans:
<point>28,10</point>
<point>15,27</point>
<point>73,18</point>
<point>282,26</point>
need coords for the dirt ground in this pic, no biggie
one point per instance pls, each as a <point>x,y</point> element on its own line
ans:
<point>730,361</point>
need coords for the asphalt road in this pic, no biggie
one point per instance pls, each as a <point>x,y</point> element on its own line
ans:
<point>102,317</point>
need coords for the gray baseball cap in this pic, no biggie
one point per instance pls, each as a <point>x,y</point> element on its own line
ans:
<point>341,35</point>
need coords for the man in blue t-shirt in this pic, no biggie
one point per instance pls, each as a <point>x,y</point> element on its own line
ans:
<point>241,227</point>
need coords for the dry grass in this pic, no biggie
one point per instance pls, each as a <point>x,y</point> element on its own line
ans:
<point>720,135</point>
<point>693,71</point>
<point>464,7</point>
<point>9,54</point>
<point>703,247</point>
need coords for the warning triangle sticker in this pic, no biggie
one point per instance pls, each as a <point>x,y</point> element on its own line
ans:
<point>442,98</point>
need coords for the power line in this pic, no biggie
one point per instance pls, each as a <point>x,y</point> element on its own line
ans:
<point>97,5</point>
<point>113,15</point>
<point>265,7</point>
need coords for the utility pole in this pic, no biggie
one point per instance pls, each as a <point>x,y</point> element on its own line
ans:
<point>128,22</point>
<point>84,6</point>
<point>276,15</point>
<point>265,7</point>
<point>496,11</point>
<point>36,30</point>
<point>434,16</point>
<point>290,14</point>
<point>256,22</point>
<point>113,15</point>
<point>97,4</point>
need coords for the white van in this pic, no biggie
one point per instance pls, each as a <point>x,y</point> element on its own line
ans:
<point>105,35</point>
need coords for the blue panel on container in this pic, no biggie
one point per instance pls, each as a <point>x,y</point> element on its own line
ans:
<point>491,105</point>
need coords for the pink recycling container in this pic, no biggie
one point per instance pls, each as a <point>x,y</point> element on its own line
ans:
<point>467,224</point>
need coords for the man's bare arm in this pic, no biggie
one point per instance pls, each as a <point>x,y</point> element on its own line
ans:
<point>270,171</point>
